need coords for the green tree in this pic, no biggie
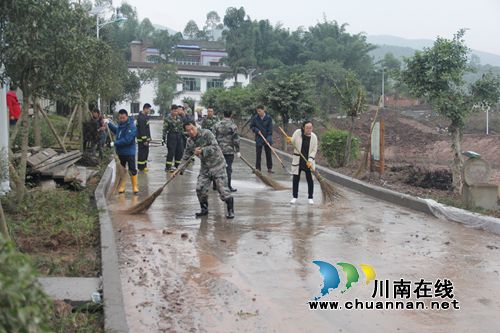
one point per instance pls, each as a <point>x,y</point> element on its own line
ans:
<point>352,98</point>
<point>212,24</point>
<point>191,31</point>
<point>51,51</point>
<point>437,74</point>
<point>240,42</point>
<point>164,72</point>
<point>287,95</point>
<point>324,75</point>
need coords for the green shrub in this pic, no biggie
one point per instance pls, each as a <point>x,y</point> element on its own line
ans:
<point>333,145</point>
<point>23,306</point>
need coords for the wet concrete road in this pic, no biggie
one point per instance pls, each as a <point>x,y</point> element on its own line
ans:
<point>255,273</point>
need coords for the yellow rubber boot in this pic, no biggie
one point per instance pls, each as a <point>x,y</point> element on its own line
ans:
<point>135,188</point>
<point>123,183</point>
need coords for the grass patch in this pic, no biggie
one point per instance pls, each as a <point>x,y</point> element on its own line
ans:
<point>88,318</point>
<point>59,229</point>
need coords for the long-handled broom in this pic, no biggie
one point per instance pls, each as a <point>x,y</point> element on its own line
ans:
<point>142,206</point>
<point>275,153</point>
<point>120,170</point>
<point>330,194</point>
<point>266,180</point>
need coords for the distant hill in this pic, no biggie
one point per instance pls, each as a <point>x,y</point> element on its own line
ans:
<point>403,47</point>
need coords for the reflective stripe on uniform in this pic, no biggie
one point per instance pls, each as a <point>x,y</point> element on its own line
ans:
<point>142,162</point>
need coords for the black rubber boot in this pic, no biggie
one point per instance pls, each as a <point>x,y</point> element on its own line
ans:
<point>229,184</point>
<point>214,186</point>
<point>230,208</point>
<point>204,209</point>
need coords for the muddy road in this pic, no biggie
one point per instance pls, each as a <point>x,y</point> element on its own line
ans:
<point>256,273</point>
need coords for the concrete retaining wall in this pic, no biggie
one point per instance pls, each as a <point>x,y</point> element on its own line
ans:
<point>115,320</point>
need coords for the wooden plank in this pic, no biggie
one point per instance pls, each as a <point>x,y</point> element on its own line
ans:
<point>58,171</point>
<point>59,159</point>
<point>41,157</point>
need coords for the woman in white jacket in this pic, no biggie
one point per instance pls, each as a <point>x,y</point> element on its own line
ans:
<point>305,140</point>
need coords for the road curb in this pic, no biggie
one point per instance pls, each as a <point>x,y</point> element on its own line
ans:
<point>115,320</point>
<point>425,206</point>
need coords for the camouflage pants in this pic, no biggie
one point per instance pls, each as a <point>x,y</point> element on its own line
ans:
<point>205,179</point>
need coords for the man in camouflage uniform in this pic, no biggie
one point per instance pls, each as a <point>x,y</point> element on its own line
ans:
<point>210,120</point>
<point>226,133</point>
<point>202,143</point>
<point>209,123</point>
<point>172,136</point>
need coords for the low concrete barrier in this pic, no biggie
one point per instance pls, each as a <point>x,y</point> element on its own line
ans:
<point>115,320</point>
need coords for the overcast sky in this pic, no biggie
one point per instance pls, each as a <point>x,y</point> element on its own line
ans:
<point>417,19</point>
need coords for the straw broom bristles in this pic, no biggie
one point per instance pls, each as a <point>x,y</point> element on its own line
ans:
<point>120,170</point>
<point>146,203</point>
<point>330,194</point>
<point>266,180</point>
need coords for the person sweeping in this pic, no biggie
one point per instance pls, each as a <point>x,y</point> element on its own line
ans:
<point>124,144</point>
<point>226,133</point>
<point>202,143</point>
<point>308,143</point>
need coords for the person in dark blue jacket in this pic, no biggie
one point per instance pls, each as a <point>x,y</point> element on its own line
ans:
<point>263,123</point>
<point>125,146</point>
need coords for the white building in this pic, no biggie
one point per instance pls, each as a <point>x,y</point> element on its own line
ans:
<point>199,68</point>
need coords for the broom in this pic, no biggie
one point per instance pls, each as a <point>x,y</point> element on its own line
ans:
<point>275,153</point>
<point>120,170</point>
<point>330,194</point>
<point>364,162</point>
<point>266,180</point>
<point>146,203</point>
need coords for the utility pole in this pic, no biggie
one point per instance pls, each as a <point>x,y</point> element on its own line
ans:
<point>488,120</point>
<point>383,87</point>
<point>4,139</point>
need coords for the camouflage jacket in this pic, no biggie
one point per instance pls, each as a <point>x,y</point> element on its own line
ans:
<point>212,159</point>
<point>172,125</point>
<point>226,133</point>
<point>208,123</point>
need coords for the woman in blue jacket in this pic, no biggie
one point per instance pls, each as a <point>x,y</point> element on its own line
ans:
<point>125,146</point>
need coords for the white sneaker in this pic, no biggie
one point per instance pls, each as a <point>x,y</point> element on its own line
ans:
<point>294,200</point>
<point>311,201</point>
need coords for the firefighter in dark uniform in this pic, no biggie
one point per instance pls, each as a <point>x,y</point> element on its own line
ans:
<point>143,138</point>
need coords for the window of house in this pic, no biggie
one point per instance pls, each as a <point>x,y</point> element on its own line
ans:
<point>215,83</point>
<point>134,107</point>
<point>188,60</point>
<point>190,84</point>
<point>215,64</point>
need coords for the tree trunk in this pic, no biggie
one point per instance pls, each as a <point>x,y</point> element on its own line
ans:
<point>15,130</point>
<point>3,224</point>
<point>458,162</point>
<point>36,124</point>
<point>348,144</point>
<point>80,127</point>
<point>25,129</point>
